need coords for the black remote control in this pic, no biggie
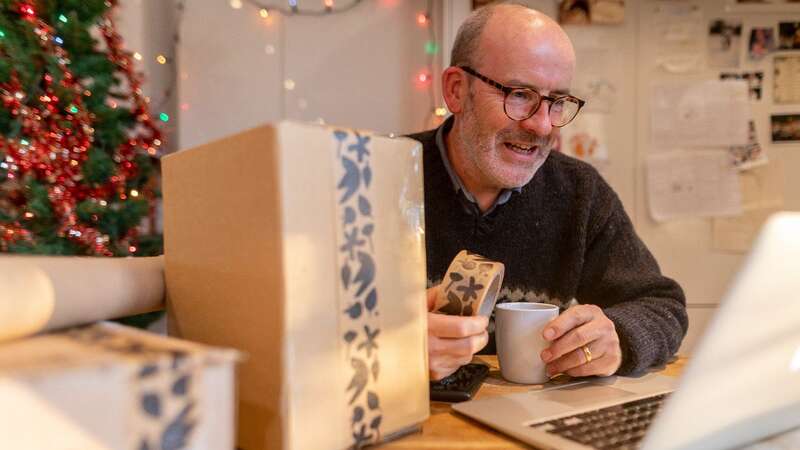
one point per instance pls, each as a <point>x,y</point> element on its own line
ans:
<point>459,386</point>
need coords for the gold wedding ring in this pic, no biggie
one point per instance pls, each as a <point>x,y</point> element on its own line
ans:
<point>587,353</point>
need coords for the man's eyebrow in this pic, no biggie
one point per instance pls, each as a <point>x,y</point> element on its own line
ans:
<point>517,83</point>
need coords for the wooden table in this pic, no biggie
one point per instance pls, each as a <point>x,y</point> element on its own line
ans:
<point>445,429</point>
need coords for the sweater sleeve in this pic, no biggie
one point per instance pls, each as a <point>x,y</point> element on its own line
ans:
<point>621,276</point>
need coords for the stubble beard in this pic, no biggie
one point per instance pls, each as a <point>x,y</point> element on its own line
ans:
<point>484,157</point>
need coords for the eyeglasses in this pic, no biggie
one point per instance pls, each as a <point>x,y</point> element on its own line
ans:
<point>521,103</point>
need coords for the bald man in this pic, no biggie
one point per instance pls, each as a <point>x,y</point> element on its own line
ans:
<point>493,186</point>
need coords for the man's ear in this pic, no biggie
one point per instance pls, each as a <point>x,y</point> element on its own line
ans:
<point>454,89</point>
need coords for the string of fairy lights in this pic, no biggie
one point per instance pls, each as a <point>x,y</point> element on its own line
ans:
<point>320,8</point>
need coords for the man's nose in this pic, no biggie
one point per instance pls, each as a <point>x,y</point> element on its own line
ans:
<point>539,122</point>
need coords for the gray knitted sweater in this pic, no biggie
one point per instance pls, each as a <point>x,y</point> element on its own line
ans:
<point>565,235</point>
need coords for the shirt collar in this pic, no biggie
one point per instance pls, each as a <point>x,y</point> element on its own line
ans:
<point>458,185</point>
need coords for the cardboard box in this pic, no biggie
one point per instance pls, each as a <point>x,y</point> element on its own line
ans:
<point>303,246</point>
<point>107,386</point>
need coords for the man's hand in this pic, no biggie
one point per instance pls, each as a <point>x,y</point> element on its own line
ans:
<point>579,326</point>
<point>452,340</point>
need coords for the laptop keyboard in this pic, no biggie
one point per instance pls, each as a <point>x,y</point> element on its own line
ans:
<point>616,427</point>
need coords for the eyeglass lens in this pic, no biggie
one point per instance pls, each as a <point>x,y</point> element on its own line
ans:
<point>522,103</point>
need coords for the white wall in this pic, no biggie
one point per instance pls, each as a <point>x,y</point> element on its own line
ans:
<point>683,247</point>
<point>148,27</point>
<point>354,69</point>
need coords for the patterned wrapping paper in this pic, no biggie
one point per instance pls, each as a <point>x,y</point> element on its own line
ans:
<point>317,271</point>
<point>471,286</point>
<point>161,386</point>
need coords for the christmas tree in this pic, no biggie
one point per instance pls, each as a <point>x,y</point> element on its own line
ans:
<point>78,146</point>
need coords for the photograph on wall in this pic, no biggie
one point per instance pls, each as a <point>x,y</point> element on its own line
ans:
<point>750,155</point>
<point>785,127</point>
<point>789,36</point>
<point>724,38</point>
<point>762,42</point>
<point>478,3</point>
<point>786,80</point>
<point>767,2</point>
<point>754,81</point>
<point>776,6</point>
<point>585,12</point>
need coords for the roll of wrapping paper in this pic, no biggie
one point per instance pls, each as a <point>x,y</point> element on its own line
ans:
<point>470,286</point>
<point>41,293</point>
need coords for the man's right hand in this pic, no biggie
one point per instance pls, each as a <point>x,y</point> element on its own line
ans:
<point>452,340</point>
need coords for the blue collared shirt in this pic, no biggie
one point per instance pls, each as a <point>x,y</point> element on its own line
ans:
<point>458,185</point>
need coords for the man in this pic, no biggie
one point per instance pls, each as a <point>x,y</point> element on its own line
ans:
<point>493,186</point>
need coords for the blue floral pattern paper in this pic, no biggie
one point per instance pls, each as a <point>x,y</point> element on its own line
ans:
<point>358,295</point>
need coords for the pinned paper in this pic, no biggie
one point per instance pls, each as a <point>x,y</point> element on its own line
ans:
<point>724,38</point>
<point>763,187</point>
<point>585,138</point>
<point>596,82</point>
<point>787,79</point>
<point>705,114</point>
<point>751,155</point>
<point>736,234</point>
<point>692,184</point>
<point>753,79</point>
<point>678,31</point>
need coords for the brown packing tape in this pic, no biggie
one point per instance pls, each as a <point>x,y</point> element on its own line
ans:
<point>471,286</point>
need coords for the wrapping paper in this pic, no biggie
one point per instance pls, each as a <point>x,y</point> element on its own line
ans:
<point>107,386</point>
<point>41,293</point>
<point>308,253</point>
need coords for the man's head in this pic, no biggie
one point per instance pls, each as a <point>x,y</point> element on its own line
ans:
<point>517,47</point>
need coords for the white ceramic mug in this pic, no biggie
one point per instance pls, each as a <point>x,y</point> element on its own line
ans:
<point>518,333</point>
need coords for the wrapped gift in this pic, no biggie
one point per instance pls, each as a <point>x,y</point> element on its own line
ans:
<point>107,386</point>
<point>303,246</point>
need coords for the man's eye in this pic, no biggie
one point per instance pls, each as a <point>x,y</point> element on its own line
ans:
<point>521,95</point>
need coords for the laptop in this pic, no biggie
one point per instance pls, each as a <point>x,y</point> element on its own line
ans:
<point>742,383</point>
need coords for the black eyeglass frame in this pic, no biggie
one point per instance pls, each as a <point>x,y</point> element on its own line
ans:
<point>509,89</point>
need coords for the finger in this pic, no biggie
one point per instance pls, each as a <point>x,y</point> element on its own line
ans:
<point>574,359</point>
<point>574,339</point>
<point>445,326</point>
<point>568,320</point>
<point>458,349</point>
<point>447,355</point>
<point>605,366</point>
<point>432,295</point>
<point>438,374</point>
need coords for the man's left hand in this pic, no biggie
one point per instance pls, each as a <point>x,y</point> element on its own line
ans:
<point>579,327</point>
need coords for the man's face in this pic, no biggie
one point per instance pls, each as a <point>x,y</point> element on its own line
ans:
<point>501,153</point>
